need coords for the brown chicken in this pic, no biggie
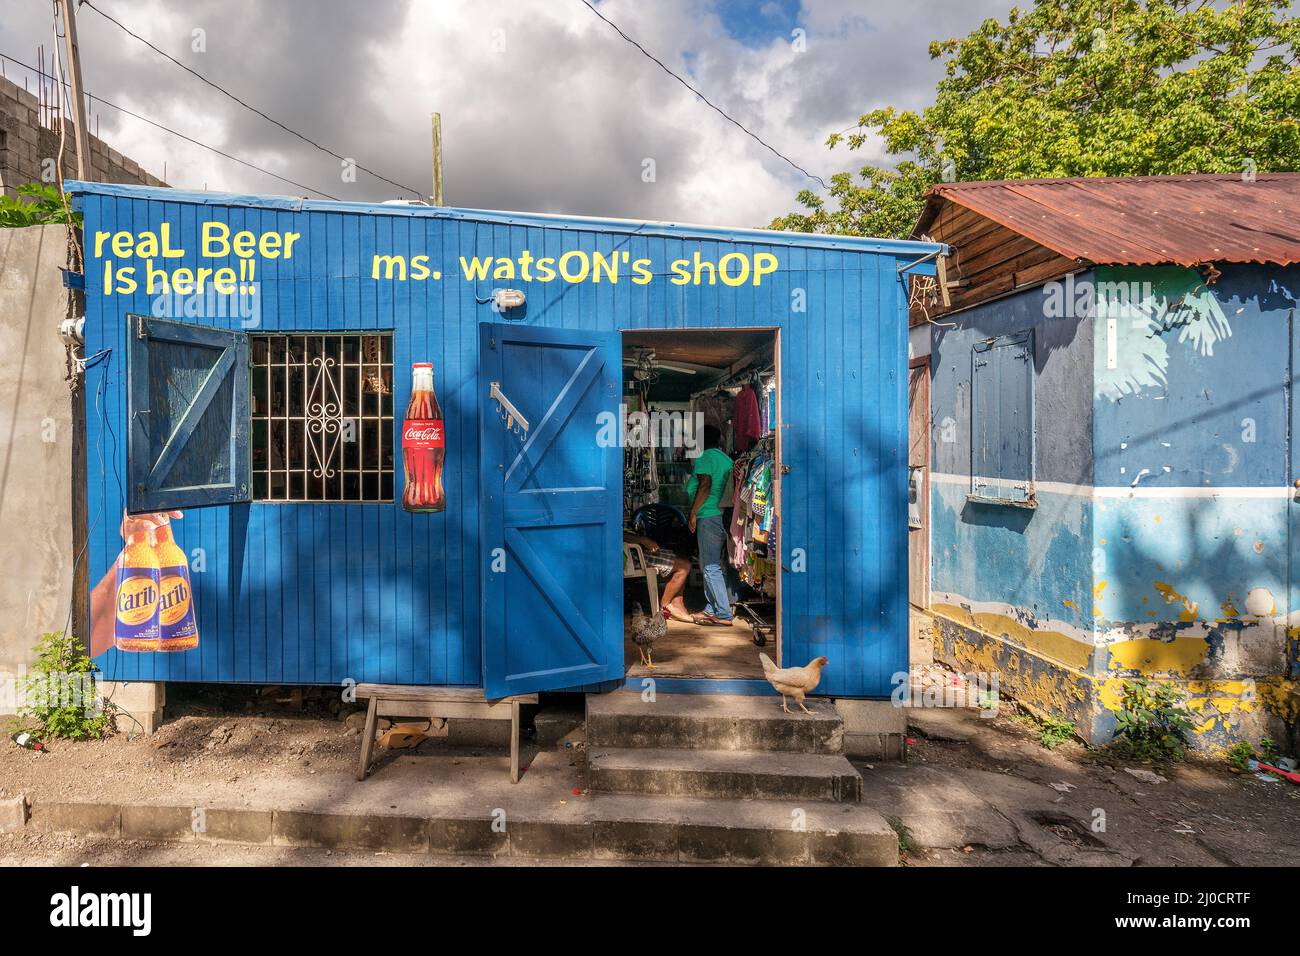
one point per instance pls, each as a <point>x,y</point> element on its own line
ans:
<point>794,681</point>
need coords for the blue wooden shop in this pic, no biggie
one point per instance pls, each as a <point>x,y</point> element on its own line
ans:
<point>250,363</point>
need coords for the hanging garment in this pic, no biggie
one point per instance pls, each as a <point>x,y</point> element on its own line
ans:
<point>745,420</point>
<point>716,409</point>
<point>739,515</point>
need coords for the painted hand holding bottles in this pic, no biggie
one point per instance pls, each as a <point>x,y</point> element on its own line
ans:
<point>154,600</point>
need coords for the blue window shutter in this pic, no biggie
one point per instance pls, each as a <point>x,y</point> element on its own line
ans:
<point>187,413</point>
<point>1002,418</point>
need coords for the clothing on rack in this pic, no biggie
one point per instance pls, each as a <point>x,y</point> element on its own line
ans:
<point>751,540</point>
<point>746,424</point>
<point>716,407</point>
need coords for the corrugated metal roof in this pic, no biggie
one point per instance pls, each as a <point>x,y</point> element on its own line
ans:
<point>1142,220</point>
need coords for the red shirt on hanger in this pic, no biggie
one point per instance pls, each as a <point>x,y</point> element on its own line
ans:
<point>745,421</point>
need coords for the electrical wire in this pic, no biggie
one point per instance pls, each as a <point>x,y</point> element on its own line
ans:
<point>717,109</point>
<point>248,106</point>
<point>188,139</point>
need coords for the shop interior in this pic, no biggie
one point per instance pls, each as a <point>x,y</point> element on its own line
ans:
<point>675,383</point>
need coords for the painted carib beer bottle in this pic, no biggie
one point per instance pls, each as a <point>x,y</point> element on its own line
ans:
<point>177,630</point>
<point>423,444</point>
<point>136,625</point>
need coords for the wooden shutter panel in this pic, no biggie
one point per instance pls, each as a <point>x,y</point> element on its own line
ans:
<point>1002,419</point>
<point>187,409</point>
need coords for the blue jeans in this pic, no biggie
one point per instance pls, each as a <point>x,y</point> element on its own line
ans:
<point>711,536</point>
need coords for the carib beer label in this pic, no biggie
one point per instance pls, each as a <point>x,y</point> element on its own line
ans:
<point>177,629</point>
<point>138,593</point>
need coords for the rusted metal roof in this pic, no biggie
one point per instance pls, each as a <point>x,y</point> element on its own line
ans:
<point>1142,220</point>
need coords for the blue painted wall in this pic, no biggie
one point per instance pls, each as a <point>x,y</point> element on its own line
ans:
<point>1032,566</point>
<point>1196,511</point>
<point>1165,540</point>
<point>305,593</point>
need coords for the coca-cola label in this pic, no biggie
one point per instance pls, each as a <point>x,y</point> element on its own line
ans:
<point>423,434</point>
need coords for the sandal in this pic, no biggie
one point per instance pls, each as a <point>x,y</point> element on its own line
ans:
<point>708,620</point>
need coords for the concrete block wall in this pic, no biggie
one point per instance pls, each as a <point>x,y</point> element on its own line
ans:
<point>25,144</point>
<point>36,448</point>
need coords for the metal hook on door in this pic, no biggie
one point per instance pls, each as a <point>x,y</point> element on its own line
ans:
<point>514,420</point>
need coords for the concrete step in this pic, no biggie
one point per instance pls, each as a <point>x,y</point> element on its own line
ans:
<point>596,827</point>
<point>624,720</point>
<point>728,774</point>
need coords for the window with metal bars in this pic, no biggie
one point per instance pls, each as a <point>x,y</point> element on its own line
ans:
<point>322,416</point>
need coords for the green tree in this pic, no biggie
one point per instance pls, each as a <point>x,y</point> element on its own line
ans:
<point>1082,88</point>
<point>35,205</point>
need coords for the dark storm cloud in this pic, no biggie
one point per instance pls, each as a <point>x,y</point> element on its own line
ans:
<point>544,107</point>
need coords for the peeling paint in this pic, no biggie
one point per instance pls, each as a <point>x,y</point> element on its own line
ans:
<point>1182,655</point>
<point>1054,644</point>
<point>1188,612</point>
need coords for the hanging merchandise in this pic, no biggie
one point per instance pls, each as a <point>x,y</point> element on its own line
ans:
<point>716,405</point>
<point>752,541</point>
<point>640,469</point>
<point>745,419</point>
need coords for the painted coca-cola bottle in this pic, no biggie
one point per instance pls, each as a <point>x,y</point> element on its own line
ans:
<point>423,444</point>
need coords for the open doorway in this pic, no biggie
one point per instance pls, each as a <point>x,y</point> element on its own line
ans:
<point>697,403</point>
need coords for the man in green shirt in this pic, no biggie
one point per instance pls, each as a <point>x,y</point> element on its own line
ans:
<point>708,482</point>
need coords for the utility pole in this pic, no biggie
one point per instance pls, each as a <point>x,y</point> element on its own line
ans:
<point>437,159</point>
<point>74,68</point>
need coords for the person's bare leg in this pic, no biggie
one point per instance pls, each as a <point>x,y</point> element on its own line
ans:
<point>672,596</point>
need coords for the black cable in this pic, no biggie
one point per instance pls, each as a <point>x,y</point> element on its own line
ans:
<point>716,109</point>
<point>311,142</point>
<point>189,139</point>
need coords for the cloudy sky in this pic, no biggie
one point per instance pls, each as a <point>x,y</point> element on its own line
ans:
<point>544,107</point>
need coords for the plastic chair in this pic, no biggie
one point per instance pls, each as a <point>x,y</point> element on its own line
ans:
<point>666,526</point>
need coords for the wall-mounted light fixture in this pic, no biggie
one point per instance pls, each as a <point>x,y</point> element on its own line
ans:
<point>507,299</point>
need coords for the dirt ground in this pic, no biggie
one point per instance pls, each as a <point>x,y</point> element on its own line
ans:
<point>985,792</point>
<point>212,739</point>
<point>974,791</point>
<point>228,746</point>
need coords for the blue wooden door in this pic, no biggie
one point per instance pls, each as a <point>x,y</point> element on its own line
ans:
<point>552,503</point>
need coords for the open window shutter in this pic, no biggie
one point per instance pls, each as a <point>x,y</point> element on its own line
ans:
<point>187,409</point>
<point>1002,418</point>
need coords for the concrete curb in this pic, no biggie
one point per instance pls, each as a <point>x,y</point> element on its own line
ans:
<point>593,833</point>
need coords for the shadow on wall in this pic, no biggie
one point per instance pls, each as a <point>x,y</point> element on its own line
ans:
<point>989,515</point>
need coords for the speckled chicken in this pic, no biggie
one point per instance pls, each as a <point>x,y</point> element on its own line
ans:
<point>794,681</point>
<point>645,631</point>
